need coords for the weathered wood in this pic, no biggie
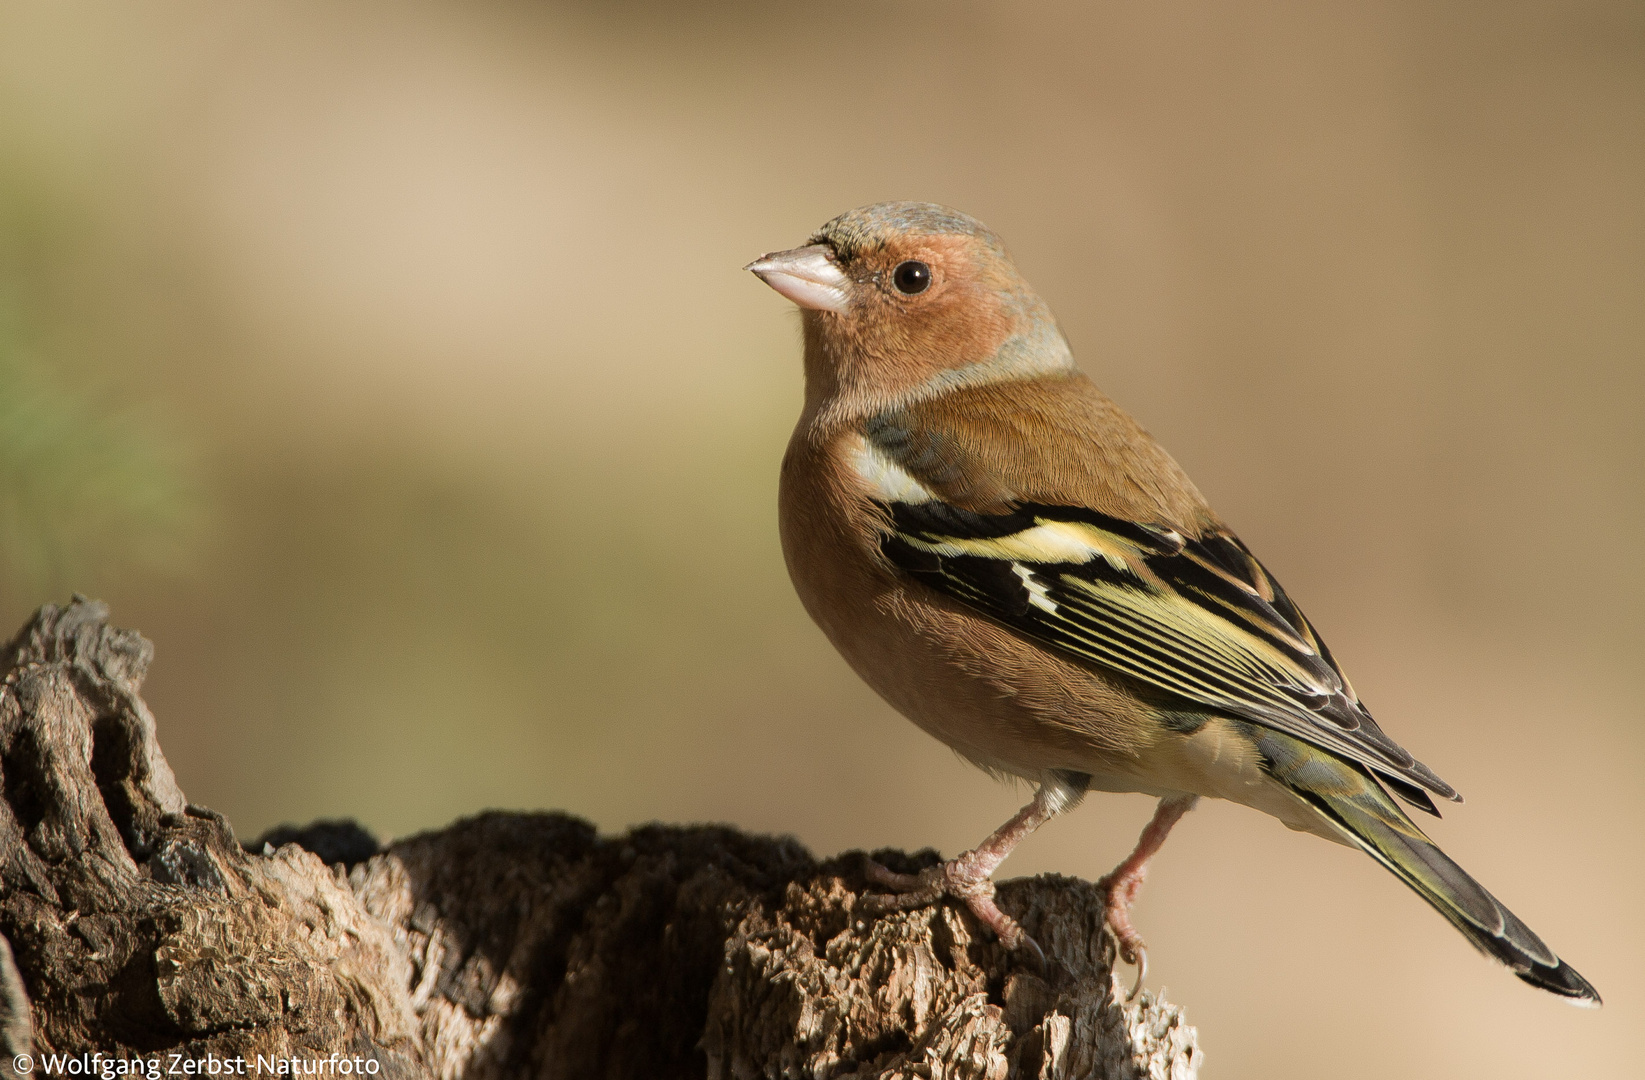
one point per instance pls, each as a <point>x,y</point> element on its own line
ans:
<point>507,945</point>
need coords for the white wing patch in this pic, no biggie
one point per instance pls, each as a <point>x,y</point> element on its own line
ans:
<point>887,480</point>
<point>1036,589</point>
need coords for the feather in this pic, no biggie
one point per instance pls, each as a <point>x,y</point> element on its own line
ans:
<point>1198,618</point>
<point>1349,798</point>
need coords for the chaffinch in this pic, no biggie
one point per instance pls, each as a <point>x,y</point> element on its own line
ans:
<point>1016,566</point>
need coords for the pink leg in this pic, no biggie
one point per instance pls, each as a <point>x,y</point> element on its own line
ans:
<point>968,876</point>
<point>1121,884</point>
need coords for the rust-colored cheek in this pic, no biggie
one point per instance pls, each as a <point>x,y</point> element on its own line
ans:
<point>888,345</point>
<point>965,325</point>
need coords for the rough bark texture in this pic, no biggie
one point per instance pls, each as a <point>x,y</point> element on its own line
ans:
<point>507,945</point>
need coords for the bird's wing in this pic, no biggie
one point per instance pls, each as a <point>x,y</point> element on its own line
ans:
<point>1197,617</point>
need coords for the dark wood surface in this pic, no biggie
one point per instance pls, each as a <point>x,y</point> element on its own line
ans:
<point>507,945</point>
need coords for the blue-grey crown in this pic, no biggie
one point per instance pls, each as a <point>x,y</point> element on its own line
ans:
<point>867,227</point>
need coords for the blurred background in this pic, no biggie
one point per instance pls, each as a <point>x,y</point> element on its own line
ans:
<point>390,366</point>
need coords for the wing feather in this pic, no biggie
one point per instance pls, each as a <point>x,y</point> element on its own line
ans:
<point>1197,618</point>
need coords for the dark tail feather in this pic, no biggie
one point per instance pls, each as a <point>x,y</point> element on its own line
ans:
<point>1349,797</point>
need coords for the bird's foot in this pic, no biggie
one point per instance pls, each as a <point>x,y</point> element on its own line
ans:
<point>1119,889</point>
<point>964,880</point>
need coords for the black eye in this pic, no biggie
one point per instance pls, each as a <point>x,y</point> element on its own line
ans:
<point>911,277</point>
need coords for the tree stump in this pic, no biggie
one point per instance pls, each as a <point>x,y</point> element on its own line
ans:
<point>133,925</point>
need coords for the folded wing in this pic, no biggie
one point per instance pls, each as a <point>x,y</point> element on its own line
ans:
<point>1198,618</point>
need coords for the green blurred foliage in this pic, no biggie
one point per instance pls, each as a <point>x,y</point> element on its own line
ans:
<point>94,483</point>
<point>92,488</point>
<point>89,490</point>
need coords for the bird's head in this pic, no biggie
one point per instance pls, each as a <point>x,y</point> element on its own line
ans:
<point>902,300</point>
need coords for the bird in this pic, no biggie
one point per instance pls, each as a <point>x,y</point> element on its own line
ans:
<point>1014,564</point>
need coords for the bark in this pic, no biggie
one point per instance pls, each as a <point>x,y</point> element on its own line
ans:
<point>132,923</point>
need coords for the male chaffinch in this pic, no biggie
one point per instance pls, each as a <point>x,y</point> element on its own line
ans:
<point>1017,567</point>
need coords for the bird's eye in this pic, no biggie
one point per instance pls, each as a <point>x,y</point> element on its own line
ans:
<point>911,277</point>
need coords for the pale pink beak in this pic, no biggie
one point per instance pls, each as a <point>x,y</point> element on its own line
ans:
<point>806,276</point>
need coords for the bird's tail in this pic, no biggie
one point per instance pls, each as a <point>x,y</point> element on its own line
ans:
<point>1353,802</point>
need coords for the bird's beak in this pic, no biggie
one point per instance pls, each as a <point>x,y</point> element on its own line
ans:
<point>806,276</point>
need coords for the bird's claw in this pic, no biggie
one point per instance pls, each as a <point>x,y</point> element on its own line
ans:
<point>908,890</point>
<point>1042,966</point>
<point>1118,892</point>
<point>953,878</point>
<point>1140,959</point>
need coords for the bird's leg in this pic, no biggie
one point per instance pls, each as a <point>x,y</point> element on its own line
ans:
<point>968,876</point>
<point>1121,884</point>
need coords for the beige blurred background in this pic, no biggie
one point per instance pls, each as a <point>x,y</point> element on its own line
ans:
<point>390,366</point>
